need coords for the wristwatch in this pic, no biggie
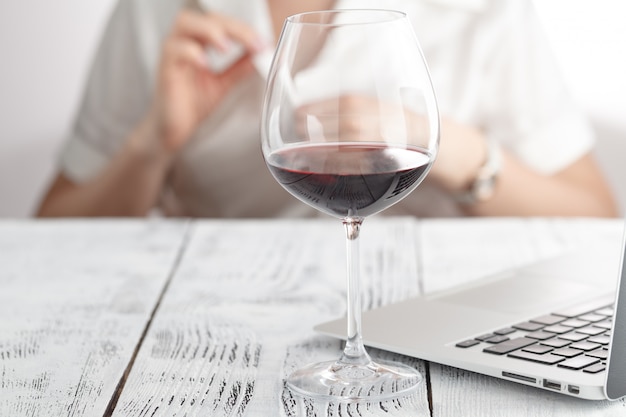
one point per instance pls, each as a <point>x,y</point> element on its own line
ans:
<point>483,186</point>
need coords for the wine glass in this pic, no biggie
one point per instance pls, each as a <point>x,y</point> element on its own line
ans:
<point>350,126</point>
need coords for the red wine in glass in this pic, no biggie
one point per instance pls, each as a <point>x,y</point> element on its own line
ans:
<point>349,179</point>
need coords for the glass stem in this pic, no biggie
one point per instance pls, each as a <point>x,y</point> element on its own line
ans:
<point>354,352</point>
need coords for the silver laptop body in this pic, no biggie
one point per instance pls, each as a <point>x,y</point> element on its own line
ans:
<point>432,327</point>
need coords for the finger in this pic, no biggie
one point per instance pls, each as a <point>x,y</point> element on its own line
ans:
<point>211,29</point>
<point>242,33</point>
<point>178,50</point>
<point>238,71</point>
<point>201,28</point>
<point>320,107</point>
<point>341,105</point>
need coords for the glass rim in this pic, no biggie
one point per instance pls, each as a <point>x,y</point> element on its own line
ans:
<point>394,15</point>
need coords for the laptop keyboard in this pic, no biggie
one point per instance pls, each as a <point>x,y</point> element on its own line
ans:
<point>575,338</point>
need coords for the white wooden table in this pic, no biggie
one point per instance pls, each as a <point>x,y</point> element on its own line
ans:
<point>205,318</point>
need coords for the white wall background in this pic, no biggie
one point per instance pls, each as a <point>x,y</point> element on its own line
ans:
<point>45,50</point>
<point>46,46</point>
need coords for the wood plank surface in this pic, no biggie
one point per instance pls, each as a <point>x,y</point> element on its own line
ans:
<point>454,252</point>
<point>75,297</point>
<point>238,317</point>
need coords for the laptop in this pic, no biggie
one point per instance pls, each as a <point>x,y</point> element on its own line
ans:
<point>558,325</point>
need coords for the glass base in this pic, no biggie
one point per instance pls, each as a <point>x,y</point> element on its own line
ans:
<point>374,382</point>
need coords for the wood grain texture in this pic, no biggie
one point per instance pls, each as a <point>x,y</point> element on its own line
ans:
<point>75,297</point>
<point>482,247</point>
<point>238,317</point>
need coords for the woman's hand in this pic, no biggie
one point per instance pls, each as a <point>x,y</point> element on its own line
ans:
<point>462,148</point>
<point>187,90</point>
<point>462,151</point>
<point>360,118</point>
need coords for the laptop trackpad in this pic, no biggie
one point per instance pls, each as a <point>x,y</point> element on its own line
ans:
<point>521,294</point>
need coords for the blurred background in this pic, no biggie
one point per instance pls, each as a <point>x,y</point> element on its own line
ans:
<point>46,49</point>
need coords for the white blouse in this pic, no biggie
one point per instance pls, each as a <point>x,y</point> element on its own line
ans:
<point>489,61</point>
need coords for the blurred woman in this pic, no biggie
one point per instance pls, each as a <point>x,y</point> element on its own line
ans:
<point>165,127</point>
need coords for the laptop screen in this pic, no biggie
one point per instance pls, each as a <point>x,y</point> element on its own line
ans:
<point>616,375</point>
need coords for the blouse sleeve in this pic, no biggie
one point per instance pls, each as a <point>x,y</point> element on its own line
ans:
<point>528,107</point>
<point>118,87</point>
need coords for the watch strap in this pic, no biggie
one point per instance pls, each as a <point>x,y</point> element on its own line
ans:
<point>483,186</point>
